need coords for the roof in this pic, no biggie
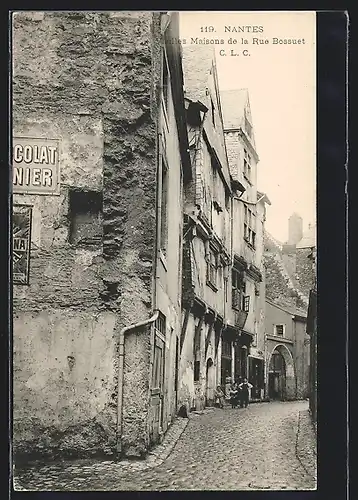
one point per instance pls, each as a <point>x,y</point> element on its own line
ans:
<point>201,86</point>
<point>280,289</point>
<point>263,197</point>
<point>270,240</point>
<point>233,105</point>
<point>308,238</point>
<point>293,311</point>
<point>197,63</point>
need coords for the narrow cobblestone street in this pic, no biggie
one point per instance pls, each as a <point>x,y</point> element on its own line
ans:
<point>266,446</point>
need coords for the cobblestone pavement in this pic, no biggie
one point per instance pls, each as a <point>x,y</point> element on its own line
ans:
<point>265,446</point>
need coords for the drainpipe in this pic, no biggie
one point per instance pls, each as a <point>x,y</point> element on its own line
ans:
<point>158,198</point>
<point>232,229</point>
<point>265,368</point>
<point>122,334</point>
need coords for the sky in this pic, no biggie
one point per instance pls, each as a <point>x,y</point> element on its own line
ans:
<point>281,80</point>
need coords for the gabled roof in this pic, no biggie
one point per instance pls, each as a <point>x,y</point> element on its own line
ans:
<point>294,311</point>
<point>272,241</point>
<point>235,104</point>
<point>201,86</point>
<point>280,288</point>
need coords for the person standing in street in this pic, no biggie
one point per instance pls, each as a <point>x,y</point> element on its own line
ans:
<point>219,397</point>
<point>245,388</point>
<point>234,395</point>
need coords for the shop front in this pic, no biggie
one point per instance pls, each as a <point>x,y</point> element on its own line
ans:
<point>256,377</point>
<point>242,350</point>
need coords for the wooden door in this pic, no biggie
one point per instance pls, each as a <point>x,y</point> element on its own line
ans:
<point>157,391</point>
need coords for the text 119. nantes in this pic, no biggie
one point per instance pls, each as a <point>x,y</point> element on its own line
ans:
<point>234,29</point>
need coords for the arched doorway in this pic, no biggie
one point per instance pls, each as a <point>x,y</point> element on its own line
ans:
<point>281,374</point>
<point>210,382</point>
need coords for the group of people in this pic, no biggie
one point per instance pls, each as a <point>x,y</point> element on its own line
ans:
<point>239,394</point>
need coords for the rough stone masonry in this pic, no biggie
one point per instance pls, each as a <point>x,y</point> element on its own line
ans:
<point>89,81</point>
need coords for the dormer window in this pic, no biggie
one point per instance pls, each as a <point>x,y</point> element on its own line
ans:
<point>247,166</point>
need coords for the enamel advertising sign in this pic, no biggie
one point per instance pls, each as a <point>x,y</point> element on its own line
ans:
<point>35,166</point>
<point>21,243</point>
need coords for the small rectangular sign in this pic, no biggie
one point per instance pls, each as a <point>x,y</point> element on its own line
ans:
<point>35,166</point>
<point>21,243</point>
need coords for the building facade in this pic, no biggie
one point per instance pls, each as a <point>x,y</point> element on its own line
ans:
<point>100,156</point>
<point>223,275</point>
<point>246,314</point>
<point>207,240</point>
<point>289,277</point>
<point>287,353</point>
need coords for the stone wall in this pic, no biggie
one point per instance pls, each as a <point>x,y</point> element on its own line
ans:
<point>85,78</point>
<point>305,273</point>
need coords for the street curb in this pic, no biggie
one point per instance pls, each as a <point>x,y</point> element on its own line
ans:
<point>154,458</point>
<point>162,451</point>
<point>306,452</point>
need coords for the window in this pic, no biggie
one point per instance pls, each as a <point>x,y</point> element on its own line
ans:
<point>212,112</point>
<point>246,303</point>
<point>226,349</point>
<point>212,267</point>
<point>164,209</point>
<point>85,217</point>
<point>247,165</point>
<point>250,226</point>
<point>158,358</point>
<point>196,371</point>
<point>279,330</point>
<point>160,324</point>
<point>238,289</point>
<point>225,289</point>
<point>227,200</point>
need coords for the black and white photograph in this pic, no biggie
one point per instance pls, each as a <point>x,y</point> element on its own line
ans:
<point>164,291</point>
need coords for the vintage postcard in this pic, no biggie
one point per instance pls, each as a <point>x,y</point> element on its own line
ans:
<point>164,250</point>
